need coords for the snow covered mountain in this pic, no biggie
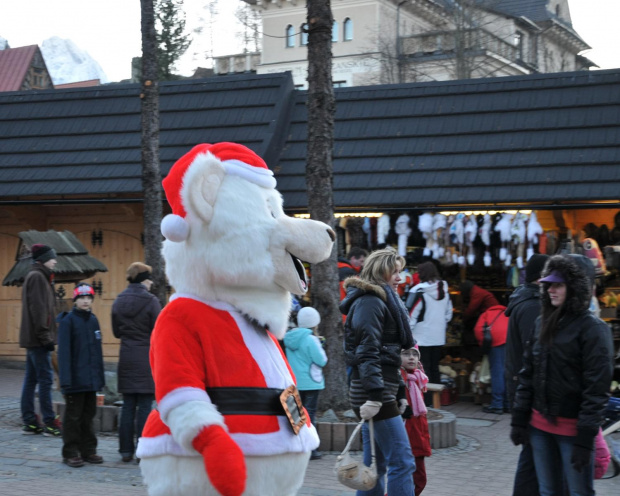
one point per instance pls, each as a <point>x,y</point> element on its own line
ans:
<point>67,63</point>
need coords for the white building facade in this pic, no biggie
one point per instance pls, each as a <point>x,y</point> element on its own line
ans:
<point>392,41</point>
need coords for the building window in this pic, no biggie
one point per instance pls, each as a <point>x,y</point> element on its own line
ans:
<point>347,28</point>
<point>339,84</point>
<point>335,32</point>
<point>290,36</point>
<point>303,35</point>
<point>519,44</point>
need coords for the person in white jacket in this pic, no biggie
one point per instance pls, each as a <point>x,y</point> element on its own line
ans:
<point>430,310</point>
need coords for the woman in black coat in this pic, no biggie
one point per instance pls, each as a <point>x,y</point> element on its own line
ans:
<point>133,317</point>
<point>376,330</point>
<point>564,383</point>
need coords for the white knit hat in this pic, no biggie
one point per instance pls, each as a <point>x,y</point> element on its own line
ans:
<point>308,317</point>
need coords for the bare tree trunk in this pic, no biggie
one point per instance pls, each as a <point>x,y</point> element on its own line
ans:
<point>151,176</point>
<point>319,179</point>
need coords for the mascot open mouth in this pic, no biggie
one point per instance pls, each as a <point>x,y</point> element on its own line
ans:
<point>301,273</point>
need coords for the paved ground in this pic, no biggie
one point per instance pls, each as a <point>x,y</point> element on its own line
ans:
<point>482,464</point>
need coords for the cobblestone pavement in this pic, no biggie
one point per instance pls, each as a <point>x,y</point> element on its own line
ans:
<point>482,464</point>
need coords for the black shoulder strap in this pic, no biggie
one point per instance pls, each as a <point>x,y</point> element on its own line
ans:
<point>418,295</point>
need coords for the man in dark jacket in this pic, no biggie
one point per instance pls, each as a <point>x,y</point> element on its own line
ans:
<point>133,317</point>
<point>37,333</point>
<point>523,310</point>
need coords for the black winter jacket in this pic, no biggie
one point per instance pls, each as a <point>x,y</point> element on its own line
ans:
<point>134,313</point>
<point>80,354</point>
<point>372,347</point>
<point>571,377</point>
<point>523,310</point>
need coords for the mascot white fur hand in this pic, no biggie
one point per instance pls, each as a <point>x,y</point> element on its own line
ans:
<point>233,258</point>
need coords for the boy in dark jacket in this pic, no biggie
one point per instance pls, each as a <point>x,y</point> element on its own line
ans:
<point>80,362</point>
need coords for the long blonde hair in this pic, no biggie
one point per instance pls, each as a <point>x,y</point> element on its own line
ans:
<point>380,265</point>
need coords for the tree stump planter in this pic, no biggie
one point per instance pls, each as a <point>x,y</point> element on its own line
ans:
<point>441,426</point>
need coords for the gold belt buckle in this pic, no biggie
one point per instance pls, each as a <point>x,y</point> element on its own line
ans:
<point>293,408</point>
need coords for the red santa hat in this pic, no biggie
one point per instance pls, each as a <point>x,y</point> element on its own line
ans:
<point>237,160</point>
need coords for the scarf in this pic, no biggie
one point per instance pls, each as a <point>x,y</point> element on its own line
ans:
<point>416,384</point>
<point>397,308</point>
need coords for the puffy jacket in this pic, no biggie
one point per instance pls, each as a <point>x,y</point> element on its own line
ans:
<point>571,377</point>
<point>494,317</point>
<point>522,312</point>
<point>134,313</point>
<point>80,354</point>
<point>38,324</point>
<point>431,331</point>
<point>372,347</point>
<point>306,357</point>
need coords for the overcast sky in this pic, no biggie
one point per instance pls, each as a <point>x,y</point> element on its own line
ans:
<point>110,30</point>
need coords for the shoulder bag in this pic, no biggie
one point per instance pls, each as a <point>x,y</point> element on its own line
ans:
<point>353,473</point>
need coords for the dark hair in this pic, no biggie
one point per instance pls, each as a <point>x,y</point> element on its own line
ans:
<point>356,252</point>
<point>428,272</point>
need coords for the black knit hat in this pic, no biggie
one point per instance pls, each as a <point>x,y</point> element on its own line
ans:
<point>42,253</point>
<point>534,267</point>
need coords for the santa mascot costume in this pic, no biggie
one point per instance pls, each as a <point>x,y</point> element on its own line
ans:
<point>227,421</point>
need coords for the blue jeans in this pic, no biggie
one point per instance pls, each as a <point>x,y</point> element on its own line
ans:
<point>310,400</point>
<point>497,358</point>
<point>38,371</point>
<point>525,482</point>
<point>552,454</point>
<point>394,451</point>
<point>135,411</point>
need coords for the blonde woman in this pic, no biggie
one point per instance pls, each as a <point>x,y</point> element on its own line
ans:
<point>376,330</point>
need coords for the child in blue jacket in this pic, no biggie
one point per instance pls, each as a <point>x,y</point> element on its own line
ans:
<point>307,359</point>
<point>80,364</point>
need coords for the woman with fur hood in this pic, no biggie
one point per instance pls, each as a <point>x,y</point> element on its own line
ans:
<point>564,384</point>
<point>376,330</point>
<point>431,309</point>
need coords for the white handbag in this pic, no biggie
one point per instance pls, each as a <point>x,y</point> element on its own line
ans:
<point>353,473</point>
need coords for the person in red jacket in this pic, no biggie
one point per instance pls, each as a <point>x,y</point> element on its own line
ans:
<point>478,300</point>
<point>416,423</point>
<point>497,321</point>
<point>350,266</point>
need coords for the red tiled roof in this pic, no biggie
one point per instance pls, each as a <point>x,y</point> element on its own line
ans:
<point>14,63</point>
<point>78,84</point>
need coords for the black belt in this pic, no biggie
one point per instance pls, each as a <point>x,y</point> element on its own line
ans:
<point>246,400</point>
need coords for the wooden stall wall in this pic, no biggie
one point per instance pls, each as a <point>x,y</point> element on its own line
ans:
<point>117,230</point>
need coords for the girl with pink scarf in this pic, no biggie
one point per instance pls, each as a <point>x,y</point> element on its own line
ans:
<point>416,423</point>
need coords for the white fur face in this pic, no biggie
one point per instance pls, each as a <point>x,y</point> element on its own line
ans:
<point>242,249</point>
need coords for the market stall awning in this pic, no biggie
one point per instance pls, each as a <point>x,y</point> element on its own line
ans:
<point>74,262</point>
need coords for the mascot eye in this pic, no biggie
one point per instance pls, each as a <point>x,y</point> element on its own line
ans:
<point>271,211</point>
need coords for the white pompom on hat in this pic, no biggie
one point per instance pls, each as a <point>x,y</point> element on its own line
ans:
<point>236,159</point>
<point>308,317</point>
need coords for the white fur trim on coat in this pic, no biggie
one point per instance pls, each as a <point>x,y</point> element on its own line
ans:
<point>187,420</point>
<point>256,175</point>
<point>178,397</point>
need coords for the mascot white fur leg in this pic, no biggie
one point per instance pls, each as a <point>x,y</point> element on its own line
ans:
<point>233,258</point>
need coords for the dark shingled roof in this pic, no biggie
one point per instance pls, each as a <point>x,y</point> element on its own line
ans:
<point>547,138</point>
<point>74,262</point>
<point>86,141</point>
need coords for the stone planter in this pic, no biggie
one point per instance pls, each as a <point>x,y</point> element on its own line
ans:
<point>334,436</point>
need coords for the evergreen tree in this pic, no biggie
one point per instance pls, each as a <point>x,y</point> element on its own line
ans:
<point>172,40</point>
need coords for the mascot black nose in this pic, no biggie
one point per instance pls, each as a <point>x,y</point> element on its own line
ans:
<point>332,234</point>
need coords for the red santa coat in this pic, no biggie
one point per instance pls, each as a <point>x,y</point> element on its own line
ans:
<point>198,345</point>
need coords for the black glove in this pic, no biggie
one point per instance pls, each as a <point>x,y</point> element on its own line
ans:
<point>518,435</point>
<point>49,347</point>
<point>408,413</point>
<point>580,457</point>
